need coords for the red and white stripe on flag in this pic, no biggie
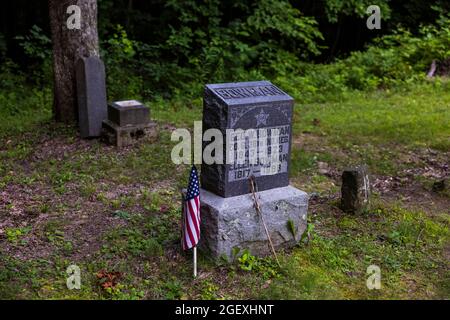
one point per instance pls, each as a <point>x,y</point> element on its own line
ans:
<point>191,212</point>
<point>191,223</point>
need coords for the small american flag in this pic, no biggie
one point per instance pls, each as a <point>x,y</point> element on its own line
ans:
<point>191,213</point>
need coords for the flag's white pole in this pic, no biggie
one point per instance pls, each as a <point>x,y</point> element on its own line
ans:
<point>195,262</point>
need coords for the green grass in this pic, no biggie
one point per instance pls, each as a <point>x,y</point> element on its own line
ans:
<point>404,244</point>
<point>131,198</point>
<point>419,116</point>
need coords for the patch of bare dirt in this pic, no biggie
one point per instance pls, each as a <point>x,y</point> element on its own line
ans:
<point>19,204</point>
<point>58,148</point>
<point>315,143</point>
<point>424,165</point>
<point>412,183</point>
<point>81,224</point>
<point>30,208</point>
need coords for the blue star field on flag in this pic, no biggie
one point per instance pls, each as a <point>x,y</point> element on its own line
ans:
<point>193,187</point>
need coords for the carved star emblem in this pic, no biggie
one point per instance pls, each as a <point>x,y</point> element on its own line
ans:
<point>261,118</point>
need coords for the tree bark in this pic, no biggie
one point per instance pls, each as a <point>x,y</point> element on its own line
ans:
<point>68,46</point>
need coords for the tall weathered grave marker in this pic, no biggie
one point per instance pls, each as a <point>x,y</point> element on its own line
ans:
<point>91,91</point>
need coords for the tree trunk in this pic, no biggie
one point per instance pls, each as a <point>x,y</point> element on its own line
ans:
<point>68,46</point>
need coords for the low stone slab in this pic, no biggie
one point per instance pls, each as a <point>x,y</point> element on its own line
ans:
<point>128,112</point>
<point>233,222</point>
<point>128,135</point>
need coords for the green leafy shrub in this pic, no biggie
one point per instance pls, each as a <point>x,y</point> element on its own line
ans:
<point>119,53</point>
<point>37,47</point>
<point>203,44</point>
<point>264,266</point>
<point>391,61</point>
<point>15,234</point>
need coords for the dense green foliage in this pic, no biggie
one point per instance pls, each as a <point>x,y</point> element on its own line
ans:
<point>203,45</point>
<point>267,39</point>
<point>191,43</point>
<point>165,48</point>
<point>392,60</point>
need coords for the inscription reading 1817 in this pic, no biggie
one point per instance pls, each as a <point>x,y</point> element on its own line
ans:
<point>264,164</point>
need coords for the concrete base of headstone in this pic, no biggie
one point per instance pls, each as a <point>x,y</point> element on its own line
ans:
<point>128,135</point>
<point>233,222</point>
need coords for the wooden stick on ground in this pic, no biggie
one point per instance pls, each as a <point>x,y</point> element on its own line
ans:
<point>258,210</point>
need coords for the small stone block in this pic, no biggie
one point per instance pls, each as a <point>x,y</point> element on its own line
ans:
<point>128,135</point>
<point>128,112</point>
<point>355,190</point>
<point>233,222</point>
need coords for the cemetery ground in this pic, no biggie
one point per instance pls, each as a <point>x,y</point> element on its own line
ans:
<point>116,213</point>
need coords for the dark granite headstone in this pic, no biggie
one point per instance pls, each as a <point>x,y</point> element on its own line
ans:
<point>246,105</point>
<point>91,91</point>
